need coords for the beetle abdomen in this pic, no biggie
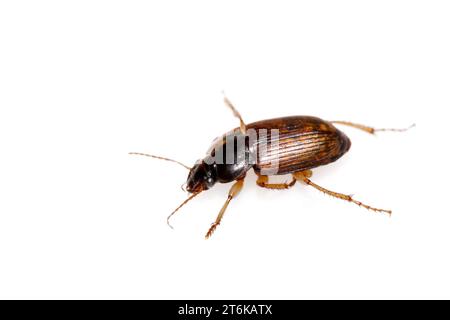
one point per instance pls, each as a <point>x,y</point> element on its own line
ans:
<point>300,143</point>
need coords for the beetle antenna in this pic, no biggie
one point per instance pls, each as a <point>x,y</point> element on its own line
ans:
<point>157,157</point>
<point>180,206</point>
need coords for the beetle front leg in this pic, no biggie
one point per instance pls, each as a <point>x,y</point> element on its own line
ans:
<point>234,191</point>
<point>263,182</point>
<point>305,175</point>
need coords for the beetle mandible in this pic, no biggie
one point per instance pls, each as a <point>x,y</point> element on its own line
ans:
<point>296,145</point>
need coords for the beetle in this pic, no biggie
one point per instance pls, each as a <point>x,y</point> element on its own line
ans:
<point>296,145</point>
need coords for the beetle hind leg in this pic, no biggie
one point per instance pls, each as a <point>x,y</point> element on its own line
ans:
<point>304,177</point>
<point>263,182</point>
<point>367,129</point>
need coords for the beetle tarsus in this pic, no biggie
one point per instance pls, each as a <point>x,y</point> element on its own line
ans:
<point>371,130</point>
<point>304,176</point>
<point>211,230</point>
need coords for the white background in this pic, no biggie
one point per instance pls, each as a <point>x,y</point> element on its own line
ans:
<point>82,83</point>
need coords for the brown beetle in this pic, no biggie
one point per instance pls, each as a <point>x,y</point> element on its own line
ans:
<point>295,145</point>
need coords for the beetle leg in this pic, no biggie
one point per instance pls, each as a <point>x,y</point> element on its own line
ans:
<point>263,182</point>
<point>305,175</point>
<point>236,114</point>
<point>369,129</point>
<point>234,191</point>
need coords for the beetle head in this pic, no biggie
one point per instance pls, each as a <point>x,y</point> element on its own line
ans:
<point>201,177</point>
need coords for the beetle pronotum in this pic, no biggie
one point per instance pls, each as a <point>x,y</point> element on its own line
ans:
<point>296,145</point>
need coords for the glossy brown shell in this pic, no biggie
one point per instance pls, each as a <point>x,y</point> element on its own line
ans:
<point>303,143</point>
